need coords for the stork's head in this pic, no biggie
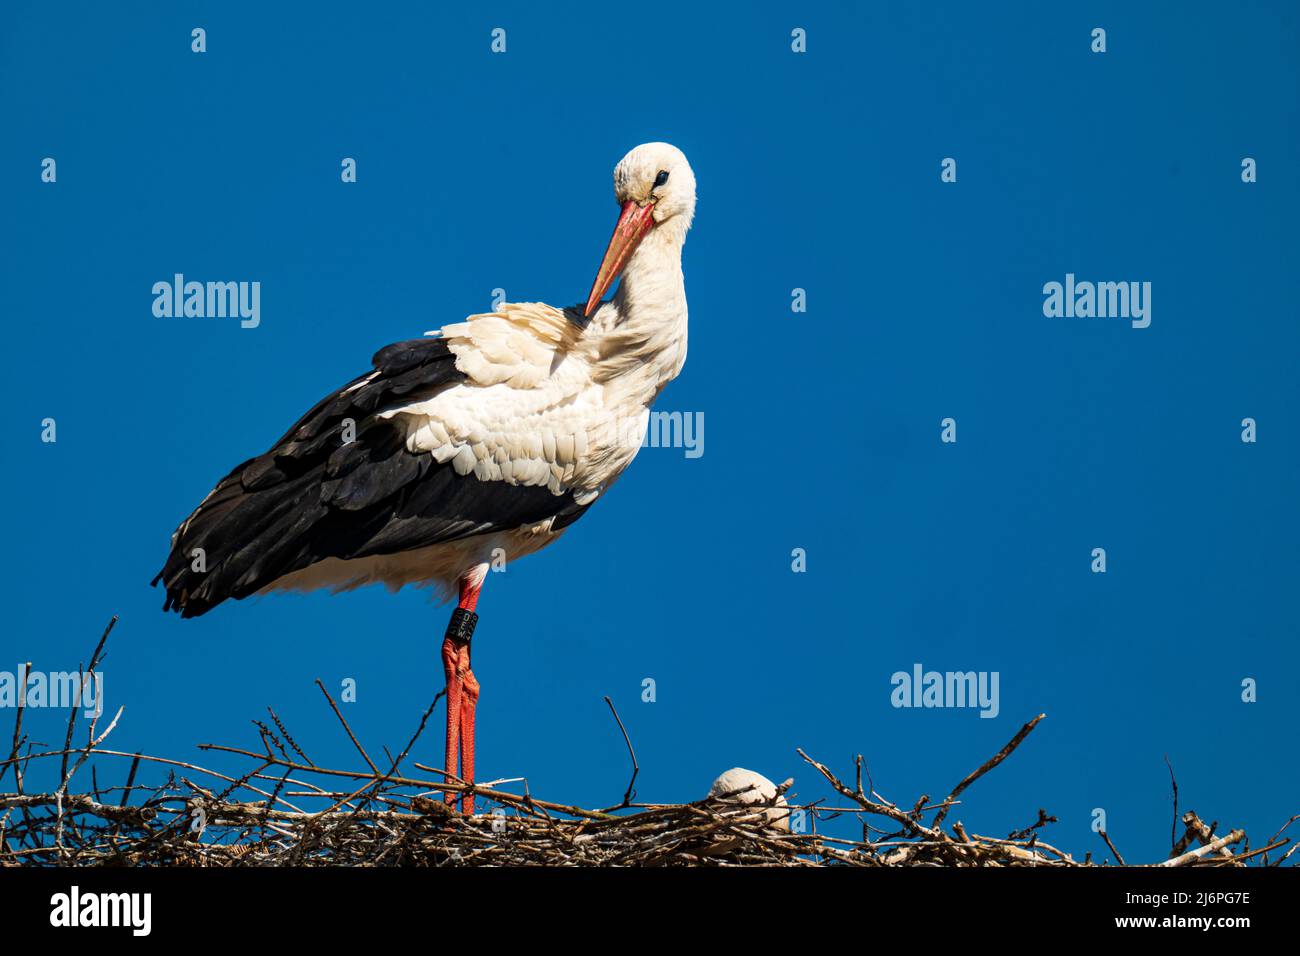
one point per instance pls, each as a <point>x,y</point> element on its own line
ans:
<point>655,187</point>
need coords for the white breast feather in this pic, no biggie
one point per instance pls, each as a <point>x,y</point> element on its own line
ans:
<point>531,413</point>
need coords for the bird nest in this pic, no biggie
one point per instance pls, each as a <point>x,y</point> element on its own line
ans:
<point>286,810</point>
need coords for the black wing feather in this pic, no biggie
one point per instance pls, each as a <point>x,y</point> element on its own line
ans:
<point>312,496</point>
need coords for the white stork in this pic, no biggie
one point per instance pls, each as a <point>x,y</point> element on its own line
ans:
<point>490,438</point>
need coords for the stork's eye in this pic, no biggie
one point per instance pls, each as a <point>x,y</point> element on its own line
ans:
<point>661,178</point>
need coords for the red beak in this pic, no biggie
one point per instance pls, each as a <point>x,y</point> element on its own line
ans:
<point>633,225</point>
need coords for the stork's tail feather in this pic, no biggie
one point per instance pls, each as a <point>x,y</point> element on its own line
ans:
<point>228,547</point>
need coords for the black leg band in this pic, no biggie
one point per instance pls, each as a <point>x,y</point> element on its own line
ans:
<point>461,626</point>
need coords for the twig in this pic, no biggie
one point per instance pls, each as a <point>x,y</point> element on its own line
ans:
<point>1119,859</point>
<point>18,730</point>
<point>334,707</point>
<point>1173,826</point>
<point>988,765</point>
<point>630,792</point>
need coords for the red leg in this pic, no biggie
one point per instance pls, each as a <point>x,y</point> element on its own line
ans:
<point>468,700</point>
<point>451,668</point>
<point>462,689</point>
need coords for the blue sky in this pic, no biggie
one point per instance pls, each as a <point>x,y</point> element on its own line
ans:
<point>818,171</point>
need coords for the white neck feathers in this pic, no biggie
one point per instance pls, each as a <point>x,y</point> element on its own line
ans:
<point>640,335</point>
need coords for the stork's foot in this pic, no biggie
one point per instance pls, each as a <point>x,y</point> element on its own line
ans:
<point>462,698</point>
